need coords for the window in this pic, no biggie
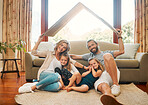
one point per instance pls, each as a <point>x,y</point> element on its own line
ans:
<point>128,17</point>
<point>36,21</point>
<point>84,25</point>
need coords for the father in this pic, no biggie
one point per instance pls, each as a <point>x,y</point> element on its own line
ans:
<point>111,75</point>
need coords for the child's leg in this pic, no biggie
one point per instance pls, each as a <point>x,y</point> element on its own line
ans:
<point>75,77</point>
<point>79,77</point>
<point>72,80</point>
<point>82,88</point>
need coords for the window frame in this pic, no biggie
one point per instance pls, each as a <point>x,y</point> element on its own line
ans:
<point>116,18</point>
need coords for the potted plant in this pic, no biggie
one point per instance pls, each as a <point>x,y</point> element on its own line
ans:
<point>17,46</point>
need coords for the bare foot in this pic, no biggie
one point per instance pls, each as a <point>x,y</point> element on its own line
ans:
<point>63,88</point>
<point>69,89</point>
<point>66,87</point>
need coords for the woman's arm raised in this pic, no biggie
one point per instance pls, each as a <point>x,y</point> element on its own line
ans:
<point>34,50</point>
<point>37,43</point>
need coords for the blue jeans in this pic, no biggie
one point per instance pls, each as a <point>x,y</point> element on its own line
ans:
<point>49,82</point>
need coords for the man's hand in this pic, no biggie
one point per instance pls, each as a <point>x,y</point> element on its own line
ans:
<point>121,45</point>
<point>119,32</point>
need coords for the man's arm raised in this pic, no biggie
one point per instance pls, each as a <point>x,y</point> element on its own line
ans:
<point>121,45</point>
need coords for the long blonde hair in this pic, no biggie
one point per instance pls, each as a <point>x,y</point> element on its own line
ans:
<point>68,65</point>
<point>60,42</point>
<point>101,66</point>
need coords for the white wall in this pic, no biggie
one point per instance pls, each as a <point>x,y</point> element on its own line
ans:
<point>1,13</point>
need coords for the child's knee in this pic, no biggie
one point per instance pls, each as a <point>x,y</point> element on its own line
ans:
<point>77,74</point>
<point>85,87</point>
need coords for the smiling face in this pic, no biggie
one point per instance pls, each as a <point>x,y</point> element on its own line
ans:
<point>94,63</point>
<point>62,47</point>
<point>63,60</point>
<point>92,46</point>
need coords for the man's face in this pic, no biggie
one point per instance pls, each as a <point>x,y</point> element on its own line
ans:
<point>93,47</point>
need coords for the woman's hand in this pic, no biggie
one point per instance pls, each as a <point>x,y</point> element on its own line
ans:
<point>38,42</point>
<point>40,38</point>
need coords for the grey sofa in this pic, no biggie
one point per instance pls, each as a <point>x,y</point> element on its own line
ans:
<point>131,70</point>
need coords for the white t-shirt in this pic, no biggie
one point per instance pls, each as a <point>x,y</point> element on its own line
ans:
<point>54,63</point>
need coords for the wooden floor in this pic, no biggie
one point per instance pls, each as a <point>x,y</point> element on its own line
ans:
<point>9,87</point>
<point>10,83</point>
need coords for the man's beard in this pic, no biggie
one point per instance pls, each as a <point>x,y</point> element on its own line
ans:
<point>94,52</point>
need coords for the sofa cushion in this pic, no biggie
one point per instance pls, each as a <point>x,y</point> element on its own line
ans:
<point>127,63</point>
<point>38,61</point>
<point>130,51</point>
<point>79,47</point>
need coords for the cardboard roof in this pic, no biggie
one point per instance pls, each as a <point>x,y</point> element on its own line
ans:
<point>55,28</point>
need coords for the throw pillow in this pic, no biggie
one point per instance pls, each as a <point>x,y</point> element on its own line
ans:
<point>130,51</point>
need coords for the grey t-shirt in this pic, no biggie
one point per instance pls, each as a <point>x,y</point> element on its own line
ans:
<point>98,56</point>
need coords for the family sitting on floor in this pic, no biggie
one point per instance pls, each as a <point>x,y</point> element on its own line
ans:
<point>59,70</point>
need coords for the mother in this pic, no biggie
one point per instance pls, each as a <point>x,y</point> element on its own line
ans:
<point>48,80</point>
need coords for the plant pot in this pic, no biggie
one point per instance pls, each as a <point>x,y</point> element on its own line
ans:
<point>9,54</point>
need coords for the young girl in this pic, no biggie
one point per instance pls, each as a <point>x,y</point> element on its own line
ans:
<point>68,69</point>
<point>88,78</point>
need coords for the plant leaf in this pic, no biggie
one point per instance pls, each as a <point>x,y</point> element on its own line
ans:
<point>13,49</point>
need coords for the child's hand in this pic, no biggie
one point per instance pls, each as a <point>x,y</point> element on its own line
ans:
<point>90,68</point>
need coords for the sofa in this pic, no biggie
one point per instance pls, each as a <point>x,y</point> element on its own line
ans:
<point>133,66</point>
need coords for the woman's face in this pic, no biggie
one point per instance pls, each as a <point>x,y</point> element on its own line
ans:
<point>63,60</point>
<point>94,64</point>
<point>62,47</point>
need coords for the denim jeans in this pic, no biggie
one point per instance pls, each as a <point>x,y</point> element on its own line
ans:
<point>49,82</point>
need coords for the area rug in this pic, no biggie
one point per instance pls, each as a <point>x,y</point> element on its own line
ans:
<point>130,95</point>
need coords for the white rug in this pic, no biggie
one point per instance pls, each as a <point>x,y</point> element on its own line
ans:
<point>130,95</point>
